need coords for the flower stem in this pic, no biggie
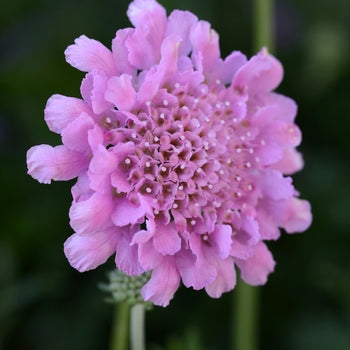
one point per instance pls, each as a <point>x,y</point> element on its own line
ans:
<point>120,331</point>
<point>245,317</point>
<point>137,327</point>
<point>263,24</point>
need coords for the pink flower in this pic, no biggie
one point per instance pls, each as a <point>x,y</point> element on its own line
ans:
<point>181,156</point>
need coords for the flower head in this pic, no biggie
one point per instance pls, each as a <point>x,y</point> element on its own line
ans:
<point>181,157</point>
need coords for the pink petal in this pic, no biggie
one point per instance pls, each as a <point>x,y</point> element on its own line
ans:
<point>75,134</point>
<point>91,214</point>
<point>287,108</point>
<point>206,41</point>
<point>93,89</point>
<point>291,162</point>
<point>262,73</point>
<point>166,239</point>
<point>225,279</point>
<point>88,54</point>
<point>149,19</point>
<point>86,252</point>
<point>165,280</point>
<point>149,258</point>
<point>256,269</point>
<point>102,164</point>
<point>221,237</point>
<point>193,274</point>
<point>270,153</point>
<point>61,110</point>
<point>126,257</point>
<point>81,190</point>
<point>46,163</point>
<point>179,24</point>
<point>275,186</point>
<point>120,92</point>
<point>241,250</point>
<point>120,52</point>
<point>299,215</point>
<point>125,212</point>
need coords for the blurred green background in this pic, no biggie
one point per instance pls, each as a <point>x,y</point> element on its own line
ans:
<point>45,304</point>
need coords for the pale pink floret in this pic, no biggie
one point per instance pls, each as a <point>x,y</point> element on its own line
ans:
<point>181,156</point>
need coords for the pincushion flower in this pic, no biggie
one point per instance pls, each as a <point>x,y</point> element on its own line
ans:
<point>181,157</point>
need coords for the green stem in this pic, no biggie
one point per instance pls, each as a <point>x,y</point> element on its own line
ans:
<point>120,331</point>
<point>137,327</point>
<point>263,24</point>
<point>245,317</point>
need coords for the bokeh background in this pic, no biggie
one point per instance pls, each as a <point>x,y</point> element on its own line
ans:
<point>45,304</point>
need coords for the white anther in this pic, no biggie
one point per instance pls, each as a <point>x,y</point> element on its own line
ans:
<point>222,122</point>
<point>193,222</point>
<point>250,187</point>
<point>251,150</point>
<point>239,150</point>
<point>248,164</point>
<point>180,126</point>
<point>263,143</point>
<point>163,169</point>
<point>156,211</point>
<point>243,138</point>
<point>195,100</point>
<point>207,119</point>
<point>144,123</point>
<point>147,144</point>
<point>108,120</point>
<point>133,135</point>
<point>218,81</point>
<point>175,205</point>
<point>127,161</point>
<point>235,120</point>
<point>156,139</point>
<point>148,103</point>
<point>182,137</point>
<point>217,204</point>
<point>182,166</point>
<point>213,144</point>
<point>148,189</point>
<point>238,194</point>
<point>177,85</point>
<point>147,164</point>
<point>218,105</point>
<point>161,116</point>
<point>205,237</point>
<point>185,108</point>
<point>165,102</point>
<point>227,103</point>
<point>181,187</point>
<point>238,178</point>
<point>203,90</point>
<point>197,205</point>
<point>229,161</point>
<point>210,186</point>
<point>249,134</point>
<point>228,137</point>
<point>221,172</point>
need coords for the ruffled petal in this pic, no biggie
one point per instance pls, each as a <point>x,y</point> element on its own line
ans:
<point>88,54</point>
<point>92,214</point>
<point>299,216</point>
<point>193,274</point>
<point>166,239</point>
<point>221,237</point>
<point>225,278</point>
<point>61,110</point>
<point>275,186</point>
<point>149,19</point>
<point>93,89</point>
<point>262,73</point>
<point>179,25</point>
<point>165,280</point>
<point>46,163</point>
<point>86,252</point>
<point>256,269</point>
<point>126,257</point>
<point>75,134</point>
<point>121,93</point>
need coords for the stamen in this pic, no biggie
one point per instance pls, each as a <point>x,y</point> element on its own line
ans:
<point>127,161</point>
<point>193,222</point>
<point>165,102</point>
<point>148,189</point>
